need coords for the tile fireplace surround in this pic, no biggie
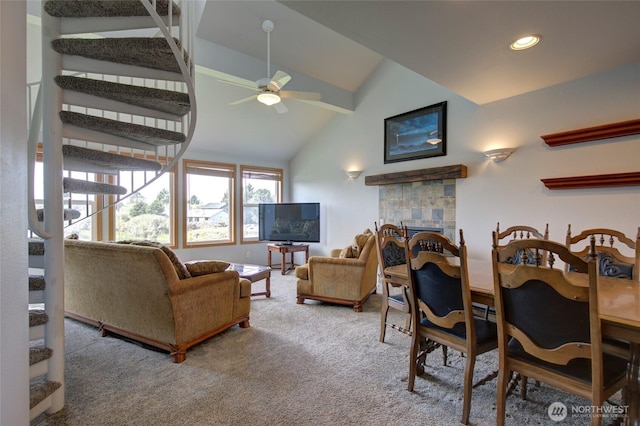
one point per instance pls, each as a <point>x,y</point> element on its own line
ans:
<point>427,204</point>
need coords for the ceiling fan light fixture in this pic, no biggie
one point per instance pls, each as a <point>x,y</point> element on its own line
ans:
<point>525,42</point>
<point>268,98</point>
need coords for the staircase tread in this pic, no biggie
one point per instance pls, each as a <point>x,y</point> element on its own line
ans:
<point>39,353</point>
<point>153,53</point>
<point>104,8</point>
<point>68,214</point>
<point>39,389</point>
<point>109,160</point>
<point>37,317</point>
<point>36,247</point>
<point>135,132</point>
<point>36,283</point>
<point>167,101</point>
<point>79,186</point>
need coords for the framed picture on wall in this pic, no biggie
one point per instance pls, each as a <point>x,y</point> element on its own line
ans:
<point>421,133</point>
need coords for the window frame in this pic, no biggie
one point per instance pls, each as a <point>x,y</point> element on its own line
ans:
<point>224,168</point>
<point>173,207</point>
<point>244,169</point>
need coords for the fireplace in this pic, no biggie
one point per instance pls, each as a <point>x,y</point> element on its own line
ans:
<point>427,205</point>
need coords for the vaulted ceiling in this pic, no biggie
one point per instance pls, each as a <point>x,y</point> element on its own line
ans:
<point>333,46</point>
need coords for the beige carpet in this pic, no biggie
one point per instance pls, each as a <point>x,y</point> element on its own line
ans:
<point>311,364</point>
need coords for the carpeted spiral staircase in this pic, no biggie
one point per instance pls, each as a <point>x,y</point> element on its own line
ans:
<point>106,104</point>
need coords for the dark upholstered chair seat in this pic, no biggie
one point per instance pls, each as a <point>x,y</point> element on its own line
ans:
<point>614,368</point>
<point>486,331</point>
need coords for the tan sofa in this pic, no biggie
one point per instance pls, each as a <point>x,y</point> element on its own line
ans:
<point>348,277</point>
<point>135,291</point>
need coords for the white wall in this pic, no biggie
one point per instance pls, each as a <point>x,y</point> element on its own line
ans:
<point>509,192</point>
<point>14,333</point>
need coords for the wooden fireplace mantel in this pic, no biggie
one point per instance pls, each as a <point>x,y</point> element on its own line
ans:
<point>434,173</point>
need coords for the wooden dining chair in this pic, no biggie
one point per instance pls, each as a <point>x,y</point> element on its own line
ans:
<point>441,306</point>
<point>514,233</point>
<point>390,250</point>
<point>610,245</point>
<point>562,347</point>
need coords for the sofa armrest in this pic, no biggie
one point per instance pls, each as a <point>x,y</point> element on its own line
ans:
<point>203,303</point>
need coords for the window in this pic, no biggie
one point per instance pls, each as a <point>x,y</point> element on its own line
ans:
<point>259,185</point>
<point>208,203</point>
<point>149,214</point>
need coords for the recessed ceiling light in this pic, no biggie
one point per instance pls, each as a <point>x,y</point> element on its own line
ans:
<point>525,42</point>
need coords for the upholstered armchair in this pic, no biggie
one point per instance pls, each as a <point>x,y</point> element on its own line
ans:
<point>347,277</point>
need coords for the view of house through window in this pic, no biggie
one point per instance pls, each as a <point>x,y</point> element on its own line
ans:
<point>208,203</point>
<point>147,214</point>
<point>259,185</point>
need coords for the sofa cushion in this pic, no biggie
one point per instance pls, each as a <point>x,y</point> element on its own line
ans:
<point>204,267</point>
<point>181,270</point>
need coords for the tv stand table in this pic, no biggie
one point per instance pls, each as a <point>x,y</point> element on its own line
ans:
<point>283,249</point>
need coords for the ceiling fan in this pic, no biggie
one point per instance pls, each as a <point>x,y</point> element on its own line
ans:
<point>269,90</point>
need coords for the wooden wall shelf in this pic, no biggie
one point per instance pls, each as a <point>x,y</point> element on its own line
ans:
<point>606,131</point>
<point>434,173</point>
<point>594,181</point>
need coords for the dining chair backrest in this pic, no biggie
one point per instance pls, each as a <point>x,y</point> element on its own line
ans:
<point>519,232</point>
<point>439,281</point>
<point>390,245</point>
<point>611,246</point>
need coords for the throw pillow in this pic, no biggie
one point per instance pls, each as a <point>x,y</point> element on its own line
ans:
<point>359,242</point>
<point>346,252</point>
<point>206,267</point>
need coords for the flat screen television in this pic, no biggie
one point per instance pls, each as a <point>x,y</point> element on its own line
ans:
<point>289,222</point>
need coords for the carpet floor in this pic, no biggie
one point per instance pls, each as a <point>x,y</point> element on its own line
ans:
<point>311,364</point>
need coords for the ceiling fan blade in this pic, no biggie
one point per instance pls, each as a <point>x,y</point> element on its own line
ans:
<point>304,96</point>
<point>280,78</point>
<point>243,100</point>
<point>281,107</point>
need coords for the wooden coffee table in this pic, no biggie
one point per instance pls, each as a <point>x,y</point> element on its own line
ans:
<point>254,273</point>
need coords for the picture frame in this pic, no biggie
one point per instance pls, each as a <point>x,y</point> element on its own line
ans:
<point>421,133</point>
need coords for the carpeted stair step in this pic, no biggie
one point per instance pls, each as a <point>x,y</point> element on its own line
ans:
<point>125,98</point>
<point>39,353</point>
<point>81,159</point>
<point>68,214</point>
<point>91,16</point>
<point>40,389</point>
<point>78,186</point>
<point>36,247</point>
<point>151,53</point>
<point>88,127</point>
<point>36,283</point>
<point>104,8</point>
<point>37,317</point>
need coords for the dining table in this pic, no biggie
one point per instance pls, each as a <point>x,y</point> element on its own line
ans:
<point>618,306</point>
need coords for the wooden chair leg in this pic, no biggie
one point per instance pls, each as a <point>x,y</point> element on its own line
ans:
<point>503,380</point>
<point>413,360</point>
<point>523,387</point>
<point>468,387</point>
<point>445,355</point>
<point>383,320</point>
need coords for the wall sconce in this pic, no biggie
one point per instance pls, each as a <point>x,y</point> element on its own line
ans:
<point>354,174</point>
<point>498,155</point>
